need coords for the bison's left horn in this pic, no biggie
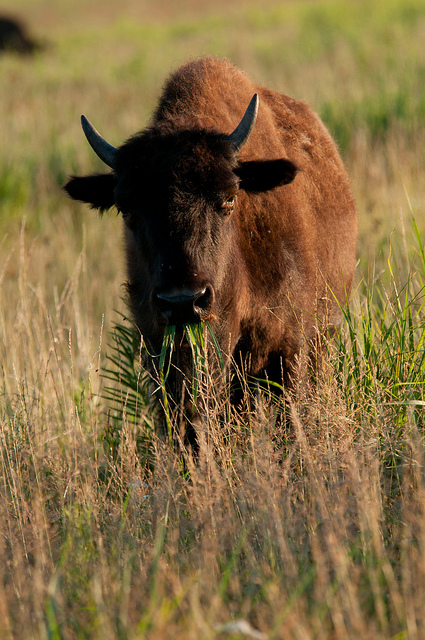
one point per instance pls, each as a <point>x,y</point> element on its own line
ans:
<point>241,134</point>
<point>103,149</point>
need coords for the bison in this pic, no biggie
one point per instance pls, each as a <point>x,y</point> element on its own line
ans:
<point>236,210</point>
<point>13,37</point>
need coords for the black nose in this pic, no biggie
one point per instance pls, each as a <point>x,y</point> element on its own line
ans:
<point>184,306</point>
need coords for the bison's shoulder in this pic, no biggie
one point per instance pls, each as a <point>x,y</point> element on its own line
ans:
<point>300,129</point>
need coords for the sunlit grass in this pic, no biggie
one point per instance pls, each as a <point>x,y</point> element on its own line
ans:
<point>288,529</point>
<point>384,355</point>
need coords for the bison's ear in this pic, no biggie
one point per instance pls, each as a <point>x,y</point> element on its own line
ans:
<point>262,175</point>
<point>96,190</point>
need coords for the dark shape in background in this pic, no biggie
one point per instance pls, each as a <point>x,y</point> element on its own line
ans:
<point>14,37</point>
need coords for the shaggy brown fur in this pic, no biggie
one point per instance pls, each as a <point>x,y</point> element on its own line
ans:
<point>274,260</point>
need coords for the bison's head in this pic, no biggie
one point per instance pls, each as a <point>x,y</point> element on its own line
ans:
<point>178,190</point>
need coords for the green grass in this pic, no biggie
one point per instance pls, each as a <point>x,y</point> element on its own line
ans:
<point>304,516</point>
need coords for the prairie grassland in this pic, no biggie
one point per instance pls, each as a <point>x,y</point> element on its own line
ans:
<point>313,530</point>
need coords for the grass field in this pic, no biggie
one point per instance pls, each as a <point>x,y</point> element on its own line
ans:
<point>311,532</point>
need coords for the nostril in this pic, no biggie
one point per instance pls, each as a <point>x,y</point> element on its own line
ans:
<point>180,306</point>
<point>205,300</point>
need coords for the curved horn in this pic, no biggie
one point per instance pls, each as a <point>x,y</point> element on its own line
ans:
<point>241,134</point>
<point>103,149</point>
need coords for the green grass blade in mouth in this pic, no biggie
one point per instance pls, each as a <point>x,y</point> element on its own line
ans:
<point>195,336</point>
<point>167,351</point>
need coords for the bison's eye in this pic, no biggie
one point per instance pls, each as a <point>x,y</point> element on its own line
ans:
<point>228,206</point>
<point>126,216</point>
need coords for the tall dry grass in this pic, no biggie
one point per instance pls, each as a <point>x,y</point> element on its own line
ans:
<point>306,527</point>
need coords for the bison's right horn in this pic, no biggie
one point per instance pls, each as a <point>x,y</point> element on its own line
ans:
<point>242,132</point>
<point>103,149</point>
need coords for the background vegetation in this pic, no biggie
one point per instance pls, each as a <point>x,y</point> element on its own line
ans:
<point>315,532</point>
